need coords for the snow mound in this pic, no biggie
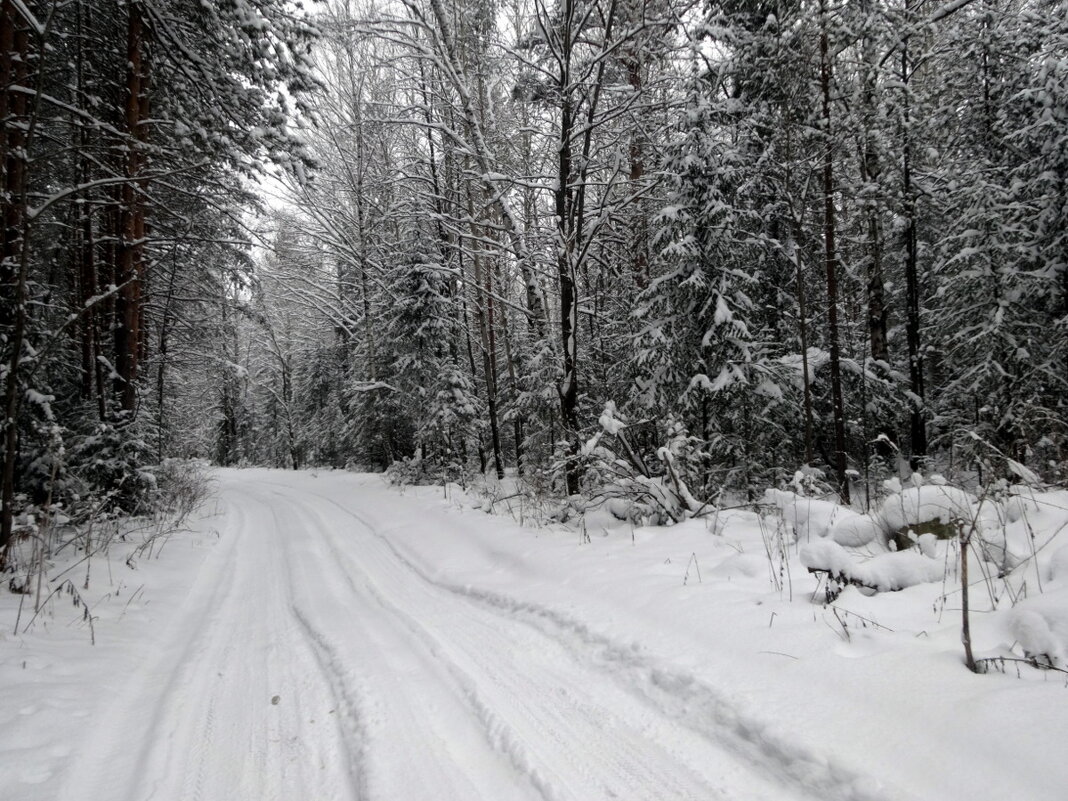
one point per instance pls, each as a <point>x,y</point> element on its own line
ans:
<point>854,531</point>
<point>1058,564</point>
<point>1034,521</point>
<point>912,506</point>
<point>1021,502</point>
<point>809,517</point>
<point>1040,626</point>
<point>915,505</point>
<point>886,572</point>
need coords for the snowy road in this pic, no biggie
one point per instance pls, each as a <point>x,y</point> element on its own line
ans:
<point>316,659</point>
<point>321,636</point>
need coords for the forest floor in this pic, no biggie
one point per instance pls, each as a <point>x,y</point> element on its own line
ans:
<point>323,636</point>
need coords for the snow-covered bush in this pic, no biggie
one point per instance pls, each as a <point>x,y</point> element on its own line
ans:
<point>1003,540</point>
<point>905,518</point>
<point>808,517</point>
<point>111,461</point>
<point>434,469</point>
<point>182,485</point>
<point>855,531</point>
<point>886,572</point>
<point>653,490</point>
<point>1040,627</point>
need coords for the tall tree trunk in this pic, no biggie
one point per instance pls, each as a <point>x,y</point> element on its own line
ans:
<point>567,216</point>
<point>161,350</point>
<point>831,261</point>
<point>14,141</point>
<point>14,67</point>
<point>131,250</point>
<point>918,427</point>
<point>639,233</point>
<point>802,322</point>
<point>490,367</point>
<point>484,313</point>
<point>14,250</point>
<point>567,388</point>
<point>513,380</point>
<point>87,281</point>
<point>796,248</point>
<point>870,168</point>
<point>483,301</point>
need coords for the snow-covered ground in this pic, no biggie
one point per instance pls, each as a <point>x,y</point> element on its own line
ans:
<point>323,636</point>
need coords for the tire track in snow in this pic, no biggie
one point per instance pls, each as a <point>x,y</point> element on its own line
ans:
<point>347,739</point>
<point>114,766</point>
<point>350,722</point>
<point>250,654</point>
<point>195,721</point>
<point>670,692</point>
<point>568,745</point>
<point>408,709</point>
<point>497,734</point>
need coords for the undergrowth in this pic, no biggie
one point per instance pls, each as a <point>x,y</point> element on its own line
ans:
<point>57,547</point>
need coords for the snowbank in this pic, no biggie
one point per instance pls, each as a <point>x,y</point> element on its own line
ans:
<point>1040,626</point>
<point>808,517</point>
<point>854,531</point>
<point>886,572</point>
<point>915,505</point>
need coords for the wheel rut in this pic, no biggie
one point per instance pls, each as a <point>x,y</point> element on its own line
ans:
<point>557,715</point>
<point>667,694</point>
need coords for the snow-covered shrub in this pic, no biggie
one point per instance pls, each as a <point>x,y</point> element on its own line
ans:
<point>420,470</point>
<point>855,531</point>
<point>405,472</point>
<point>811,482</point>
<point>112,461</point>
<point>915,506</point>
<point>906,516</point>
<point>885,572</point>
<point>649,490</point>
<point>43,470</point>
<point>181,486</point>
<point>808,517</point>
<point>1040,627</point>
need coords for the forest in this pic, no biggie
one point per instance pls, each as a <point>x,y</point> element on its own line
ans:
<point>668,250</point>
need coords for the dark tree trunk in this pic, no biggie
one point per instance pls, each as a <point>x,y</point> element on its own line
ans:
<point>871,168</point>
<point>918,426</point>
<point>14,56</point>
<point>566,215</point>
<point>639,234</point>
<point>489,367</point>
<point>131,252</point>
<point>831,260</point>
<point>14,70</point>
<point>806,382</point>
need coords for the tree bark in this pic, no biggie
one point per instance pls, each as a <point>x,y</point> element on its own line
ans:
<point>639,234</point>
<point>488,340</point>
<point>831,262</point>
<point>870,168</point>
<point>918,426</point>
<point>567,388</point>
<point>14,59</point>
<point>131,255</point>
